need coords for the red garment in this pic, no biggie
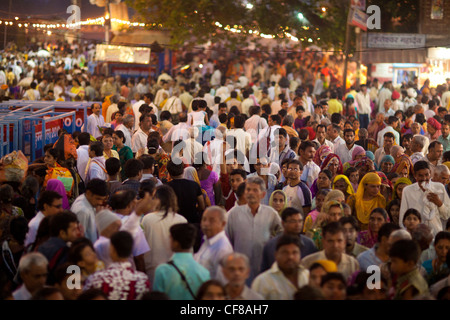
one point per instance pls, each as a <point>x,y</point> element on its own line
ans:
<point>230,197</point>
<point>120,282</point>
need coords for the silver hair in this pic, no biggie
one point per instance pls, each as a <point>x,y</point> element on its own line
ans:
<point>222,212</point>
<point>30,260</point>
<point>420,140</point>
<point>441,169</point>
<point>288,120</point>
<point>401,234</point>
<point>233,256</point>
<point>259,181</point>
<point>128,118</point>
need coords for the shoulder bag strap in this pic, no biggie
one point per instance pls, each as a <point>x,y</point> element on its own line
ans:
<point>182,278</point>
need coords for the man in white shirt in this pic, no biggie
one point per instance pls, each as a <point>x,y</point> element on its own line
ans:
<point>174,106</point>
<point>140,137</point>
<point>333,131</point>
<point>384,94</point>
<point>216,77</point>
<point>392,123</point>
<point>310,169</point>
<point>363,101</point>
<point>247,103</point>
<point>428,197</point>
<point>95,121</point>
<point>234,101</point>
<point>321,132</point>
<point>255,123</point>
<point>159,98</point>
<point>344,151</point>
<point>216,244</point>
<point>49,204</point>
<point>126,127</point>
<point>85,206</point>
<point>179,131</point>
<point>83,154</point>
<point>286,276</point>
<point>250,226</point>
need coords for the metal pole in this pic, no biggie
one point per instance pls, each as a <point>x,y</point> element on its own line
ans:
<point>346,49</point>
<point>358,56</point>
<point>9,16</point>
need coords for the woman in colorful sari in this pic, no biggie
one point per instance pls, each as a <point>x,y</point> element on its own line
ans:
<point>386,164</point>
<point>278,201</point>
<point>76,91</point>
<point>364,166</point>
<point>367,198</point>
<point>386,188</point>
<point>369,237</point>
<point>342,183</point>
<point>58,186</point>
<point>331,211</point>
<point>312,216</point>
<point>399,185</point>
<point>357,154</point>
<point>125,152</point>
<point>333,163</point>
<point>321,154</point>
<point>56,171</point>
<point>403,165</point>
<point>434,129</point>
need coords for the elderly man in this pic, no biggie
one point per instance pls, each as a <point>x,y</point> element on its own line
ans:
<point>286,275</point>
<point>127,128</point>
<point>417,144</point>
<point>428,197</point>
<point>334,249</point>
<point>33,272</point>
<point>236,270</point>
<point>250,226</point>
<point>216,244</point>
<point>441,174</point>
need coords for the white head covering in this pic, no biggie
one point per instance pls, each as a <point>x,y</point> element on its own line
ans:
<point>104,219</point>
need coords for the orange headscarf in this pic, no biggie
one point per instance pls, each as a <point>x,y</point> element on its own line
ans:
<point>364,207</point>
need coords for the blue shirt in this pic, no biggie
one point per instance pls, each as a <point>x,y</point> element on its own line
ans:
<point>368,258</point>
<point>445,142</point>
<point>168,280</point>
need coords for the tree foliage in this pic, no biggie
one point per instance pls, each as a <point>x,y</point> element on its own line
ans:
<point>194,21</point>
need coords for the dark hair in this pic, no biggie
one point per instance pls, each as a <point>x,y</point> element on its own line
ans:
<point>240,172</point>
<point>167,198</point>
<point>185,234</point>
<point>282,113</point>
<point>289,211</point>
<point>97,187</point>
<point>286,239</point>
<point>332,228</point>
<point>91,294</point>
<point>282,132</point>
<point>306,144</point>
<point>204,287</point>
<point>47,197</point>
<point>295,161</point>
<point>406,250</point>
<point>152,146</point>
<point>441,235</point>
<point>276,118</point>
<point>223,118</point>
<point>165,115</point>
<point>61,222</point>
<point>148,185</point>
<point>112,166</point>
<point>120,135</point>
<point>143,116</point>
<point>420,165</point>
<point>18,228</point>
<point>175,170</point>
<point>336,118</point>
<point>433,145</point>
<point>121,199</point>
<point>412,211</point>
<point>309,293</point>
<point>266,108</point>
<point>147,161</point>
<point>44,292</point>
<point>132,168</point>
<point>97,147</point>
<point>122,241</point>
<point>240,190</point>
<point>74,256</point>
<point>350,220</point>
<point>380,211</point>
<point>321,126</point>
<point>386,229</point>
<point>84,138</point>
<point>239,121</point>
<point>333,276</point>
<point>395,202</point>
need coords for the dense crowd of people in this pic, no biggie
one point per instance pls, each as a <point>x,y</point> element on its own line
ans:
<point>241,177</point>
